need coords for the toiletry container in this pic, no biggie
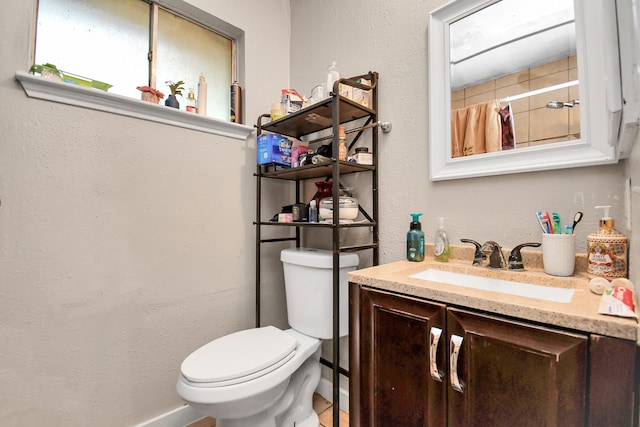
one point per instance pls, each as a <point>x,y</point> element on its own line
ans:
<point>202,96</point>
<point>559,254</point>
<point>415,240</point>
<point>441,248</point>
<point>342,144</point>
<point>235,103</point>
<point>313,211</point>
<point>348,208</point>
<point>191,101</point>
<point>332,75</point>
<point>607,249</point>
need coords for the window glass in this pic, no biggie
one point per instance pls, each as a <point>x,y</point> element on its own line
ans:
<point>186,50</point>
<point>109,41</point>
<point>94,38</point>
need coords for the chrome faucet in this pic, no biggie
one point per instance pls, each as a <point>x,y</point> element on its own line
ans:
<point>496,257</point>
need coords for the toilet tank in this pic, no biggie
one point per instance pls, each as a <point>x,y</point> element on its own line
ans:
<point>308,281</point>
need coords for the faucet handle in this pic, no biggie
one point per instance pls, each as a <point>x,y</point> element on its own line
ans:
<point>515,259</point>
<point>479,258</point>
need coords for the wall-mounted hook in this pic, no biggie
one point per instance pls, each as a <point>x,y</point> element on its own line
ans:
<point>385,126</point>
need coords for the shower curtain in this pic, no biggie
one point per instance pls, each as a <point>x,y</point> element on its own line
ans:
<point>476,129</point>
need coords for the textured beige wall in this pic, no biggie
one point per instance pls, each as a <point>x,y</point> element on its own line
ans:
<point>124,244</point>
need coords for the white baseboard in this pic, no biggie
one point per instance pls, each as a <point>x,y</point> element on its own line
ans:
<point>325,389</point>
<point>179,417</point>
<point>185,414</point>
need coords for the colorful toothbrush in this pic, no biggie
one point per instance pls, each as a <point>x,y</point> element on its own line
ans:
<point>555,223</point>
<point>546,218</point>
<point>540,221</point>
<point>544,221</point>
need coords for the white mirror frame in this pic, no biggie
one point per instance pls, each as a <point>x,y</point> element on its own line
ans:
<point>600,99</point>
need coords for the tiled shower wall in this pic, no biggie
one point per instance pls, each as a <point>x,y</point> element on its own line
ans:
<point>534,123</point>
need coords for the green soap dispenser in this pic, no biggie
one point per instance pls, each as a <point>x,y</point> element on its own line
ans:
<point>415,240</point>
<point>441,249</point>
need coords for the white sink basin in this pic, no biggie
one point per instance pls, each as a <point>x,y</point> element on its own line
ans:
<point>509,287</point>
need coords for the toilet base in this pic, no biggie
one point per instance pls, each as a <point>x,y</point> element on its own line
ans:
<point>293,407</point>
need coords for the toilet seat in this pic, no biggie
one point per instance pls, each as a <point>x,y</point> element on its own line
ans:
<point>238,357</point>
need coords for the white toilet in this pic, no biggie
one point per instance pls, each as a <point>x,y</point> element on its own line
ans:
<point>265,377</point>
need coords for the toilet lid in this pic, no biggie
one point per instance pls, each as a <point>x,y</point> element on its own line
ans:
<point>238,355</point>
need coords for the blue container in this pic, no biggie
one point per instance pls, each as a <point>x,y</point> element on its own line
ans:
<point>274,149</point>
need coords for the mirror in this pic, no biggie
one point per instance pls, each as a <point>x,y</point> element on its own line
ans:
<point>492,108</point>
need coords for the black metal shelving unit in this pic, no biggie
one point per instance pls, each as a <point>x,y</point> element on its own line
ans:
<point>327,114</point>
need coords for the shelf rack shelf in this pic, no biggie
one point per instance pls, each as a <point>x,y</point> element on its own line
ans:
<point>325,115</point>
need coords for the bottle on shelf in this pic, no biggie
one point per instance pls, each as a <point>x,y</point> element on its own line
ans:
<point>235,102</point>
<point>191,101</point>
<point>342,144</point>
<point>202,95</point>
<point>332,75</point>
<point>313,211</point>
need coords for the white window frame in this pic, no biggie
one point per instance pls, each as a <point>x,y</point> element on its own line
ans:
<point>51,90</point>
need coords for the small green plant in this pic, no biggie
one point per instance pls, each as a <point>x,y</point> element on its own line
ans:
<point>176,88</point>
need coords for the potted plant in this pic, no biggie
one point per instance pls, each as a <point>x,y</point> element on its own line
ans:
<point>150,94</point>
<point>176,89</point>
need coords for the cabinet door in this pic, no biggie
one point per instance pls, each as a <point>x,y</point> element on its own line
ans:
<point>513,374</point>
<point>612,381</point>
<point>397,385</point>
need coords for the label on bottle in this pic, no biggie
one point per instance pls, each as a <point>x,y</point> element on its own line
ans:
<point>607,256</point>
<point>415,249</point>
<point>342,151</point>
<point>439,247</point>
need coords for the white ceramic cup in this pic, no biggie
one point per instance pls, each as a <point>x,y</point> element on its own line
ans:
<point>559,254</point>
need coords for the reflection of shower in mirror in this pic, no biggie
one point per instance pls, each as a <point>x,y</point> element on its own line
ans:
<point>559,104</point>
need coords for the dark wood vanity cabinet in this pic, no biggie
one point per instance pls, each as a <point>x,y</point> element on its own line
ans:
<point>395,386</point>
<point>420,363</point>
<point>511,374</point>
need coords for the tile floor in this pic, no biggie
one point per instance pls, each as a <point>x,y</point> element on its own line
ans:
<point>325,412</point>
<point>320,405</point>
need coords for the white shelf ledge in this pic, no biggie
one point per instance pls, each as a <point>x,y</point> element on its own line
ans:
<point>95,99</point>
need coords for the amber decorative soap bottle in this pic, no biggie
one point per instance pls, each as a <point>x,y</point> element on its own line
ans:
<point>607,249</point>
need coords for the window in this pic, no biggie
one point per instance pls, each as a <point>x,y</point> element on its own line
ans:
<point>130,43</point>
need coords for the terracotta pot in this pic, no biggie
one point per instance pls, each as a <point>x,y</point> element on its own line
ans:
<point>150,97</point>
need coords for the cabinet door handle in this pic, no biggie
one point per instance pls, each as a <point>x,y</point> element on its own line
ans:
<point>454,353</point>
<point>434,339</point>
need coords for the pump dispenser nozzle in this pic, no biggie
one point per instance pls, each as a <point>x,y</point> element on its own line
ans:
<point>606,211</point>
<point>415,224</point>
<point>606,221</point>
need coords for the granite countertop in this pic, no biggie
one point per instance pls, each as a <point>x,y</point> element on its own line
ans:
<point>580,313</point>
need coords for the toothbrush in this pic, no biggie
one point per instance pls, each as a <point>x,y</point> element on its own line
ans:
<point>544,221</point>
<point>539,218</point>
<point>576,219</point>
<point>555,224</point>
